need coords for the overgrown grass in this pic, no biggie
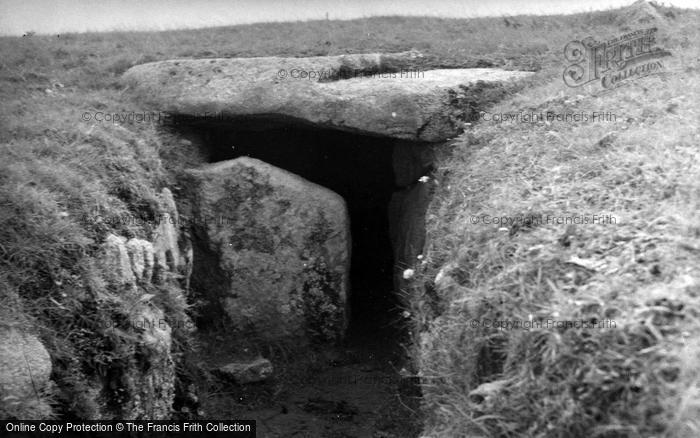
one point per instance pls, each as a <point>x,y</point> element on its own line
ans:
<point>58,169</point>
<point>638,277</point>
<point>59,176</point>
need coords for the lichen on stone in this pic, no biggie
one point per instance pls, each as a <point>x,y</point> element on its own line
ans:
<point>320,301</point>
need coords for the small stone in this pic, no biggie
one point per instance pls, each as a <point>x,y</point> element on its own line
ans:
<point>487,393</point>
<point>440,276</point>
<point>248,372</point>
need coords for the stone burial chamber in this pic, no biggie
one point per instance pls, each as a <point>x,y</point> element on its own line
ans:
<point>314,198</point>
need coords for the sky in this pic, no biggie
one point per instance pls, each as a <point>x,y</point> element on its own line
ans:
<point>58,16</point>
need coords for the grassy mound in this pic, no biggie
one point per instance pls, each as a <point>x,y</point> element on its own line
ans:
<point>62,182</point>
<point>532,322</point>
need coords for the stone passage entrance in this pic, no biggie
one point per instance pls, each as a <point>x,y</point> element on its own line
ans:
<point>245,107</point>
<point>362,169</point>
<point>350,388</point>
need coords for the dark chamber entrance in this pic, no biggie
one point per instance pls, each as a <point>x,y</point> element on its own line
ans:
<point>357,167</point>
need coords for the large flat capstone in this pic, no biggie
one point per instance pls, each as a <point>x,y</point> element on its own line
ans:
<point>276,249</point>
<point>371,93</point>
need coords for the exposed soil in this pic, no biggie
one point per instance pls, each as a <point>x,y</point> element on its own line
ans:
<point>352,390</point>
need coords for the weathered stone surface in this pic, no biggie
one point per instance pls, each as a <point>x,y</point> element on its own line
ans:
<point>116,261</point>
<point>142,258</point>
<point>275,250</point>
<point>257,370</point>
<point>149,382</point>
<point>125,262</point>
<point>407,228</point>
<point>165,238</point>
<point>25,365</point>
<point>152,388</point>
<point>428,105</point>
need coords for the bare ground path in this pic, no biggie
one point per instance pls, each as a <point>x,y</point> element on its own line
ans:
<point>353,390</point>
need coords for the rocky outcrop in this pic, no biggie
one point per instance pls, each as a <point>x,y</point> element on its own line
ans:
<point>372,93</point>
<point>116,261</point>
<point>132,267</point>
<point>25,367</point>
<point>165,239</point>
<point>273,250</point>
<point>135,260</point>
<point>152,388</point>
<point>142,256</point>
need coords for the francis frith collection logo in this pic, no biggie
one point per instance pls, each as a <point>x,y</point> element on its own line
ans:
<point>613,62</point>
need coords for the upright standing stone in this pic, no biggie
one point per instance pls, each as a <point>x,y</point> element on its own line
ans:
<point>280,246</point>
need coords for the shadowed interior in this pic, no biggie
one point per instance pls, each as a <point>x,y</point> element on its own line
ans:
<point>357,167</point>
